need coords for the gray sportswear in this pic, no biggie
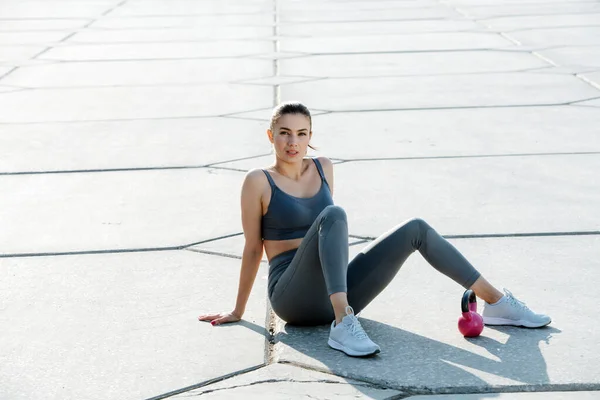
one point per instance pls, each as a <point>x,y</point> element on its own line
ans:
<point>301,280</point>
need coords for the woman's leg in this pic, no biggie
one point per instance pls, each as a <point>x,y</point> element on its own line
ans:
<point>316,277</point>
<point>375,267</point>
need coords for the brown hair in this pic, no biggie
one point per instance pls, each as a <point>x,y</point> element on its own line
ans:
<point>290,107</point>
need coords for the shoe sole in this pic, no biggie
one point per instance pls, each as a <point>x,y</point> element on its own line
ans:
<point>511,322</point>
<point>353,353</point>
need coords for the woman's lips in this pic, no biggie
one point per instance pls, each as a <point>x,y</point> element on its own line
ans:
<point>291,152</point>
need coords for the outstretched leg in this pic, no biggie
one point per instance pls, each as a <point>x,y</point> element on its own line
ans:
<point>375,267</point>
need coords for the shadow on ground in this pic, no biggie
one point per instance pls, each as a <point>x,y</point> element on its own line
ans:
<point>417,364</point>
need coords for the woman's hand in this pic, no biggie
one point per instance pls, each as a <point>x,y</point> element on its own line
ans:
<point>222,318</point>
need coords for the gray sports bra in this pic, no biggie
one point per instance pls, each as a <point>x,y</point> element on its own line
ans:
<point>290,217</point>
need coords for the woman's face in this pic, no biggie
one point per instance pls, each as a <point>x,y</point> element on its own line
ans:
<point>290,136</point>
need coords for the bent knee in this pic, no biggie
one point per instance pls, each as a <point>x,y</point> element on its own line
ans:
<point>419,224</point>
<point>334,212</point>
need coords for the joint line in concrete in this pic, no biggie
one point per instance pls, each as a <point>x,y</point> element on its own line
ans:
<point>206,383</point>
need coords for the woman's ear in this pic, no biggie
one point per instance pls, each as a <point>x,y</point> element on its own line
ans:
<point>270,135</point>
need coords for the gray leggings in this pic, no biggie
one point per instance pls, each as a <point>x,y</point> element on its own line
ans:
<point>301,280</point>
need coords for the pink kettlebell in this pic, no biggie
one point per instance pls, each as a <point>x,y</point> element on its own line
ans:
<point>470,324</point>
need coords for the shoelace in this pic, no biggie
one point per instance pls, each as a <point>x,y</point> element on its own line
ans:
<point>355,327</point>
<point>514,300</point>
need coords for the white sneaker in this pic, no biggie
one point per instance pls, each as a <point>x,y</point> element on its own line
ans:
<point>510,311</point>
<point>350,337</point>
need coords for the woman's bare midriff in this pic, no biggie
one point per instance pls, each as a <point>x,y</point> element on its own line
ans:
<point>275,247</point>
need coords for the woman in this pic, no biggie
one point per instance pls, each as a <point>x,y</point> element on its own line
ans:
<point>287,209</point>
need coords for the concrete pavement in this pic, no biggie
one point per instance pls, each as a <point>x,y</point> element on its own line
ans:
<point>126,128</point>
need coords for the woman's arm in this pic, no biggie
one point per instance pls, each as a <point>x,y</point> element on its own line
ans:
<point>252,189</point>
<point>253,248</point>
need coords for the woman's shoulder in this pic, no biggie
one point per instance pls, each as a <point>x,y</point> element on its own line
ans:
<point>256,176</point>
<point>324,161</point>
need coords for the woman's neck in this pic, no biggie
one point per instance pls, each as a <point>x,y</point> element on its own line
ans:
<point>291,171</point>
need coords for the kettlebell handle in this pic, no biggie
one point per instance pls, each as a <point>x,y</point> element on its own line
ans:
<point>467,299</point>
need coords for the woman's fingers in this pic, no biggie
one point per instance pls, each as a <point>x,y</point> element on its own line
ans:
<point>218,319</point>
<point>224,319</point>
<point>208,317</point>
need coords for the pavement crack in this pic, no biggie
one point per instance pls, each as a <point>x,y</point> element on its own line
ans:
<point>278,380</point>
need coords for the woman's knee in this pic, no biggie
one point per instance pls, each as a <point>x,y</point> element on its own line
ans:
<point>418,223</point>
<point>417,228</point>
<point>334,212</point>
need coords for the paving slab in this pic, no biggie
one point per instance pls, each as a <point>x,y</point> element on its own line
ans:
<point>26,38</point>
<point>106,145</point>
<point>451,134</point>
<point>144,51</point>
<point>549,37</point>
<point>199,33</point>
<point>473,196</point>
<point>6,89</point>
<point>287,381</point>
<point>528,8</point>
<point>435,63</point>
<point>184,7</point>
<point>12,55</point>
<point>574,55</point>
<point>419,339</point>
<point>487,3</point>
<point>398,14</point>
<point>184,21</point>
<point>377,28</point>
<point>397,43</point>
<point>277,80</point>
<point>127,73</point>
<point>473,90</point>
<point>541,21</point>
<point>456,132</point>
<point>42,25</point>
<point>115,103</point>
<point>85,326</point>
<point>583,395</point>
<point>344,6</point>
<point>33,62</point>
<point>111,211</point>
<point>122,325</point>
<point>14,9</point>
